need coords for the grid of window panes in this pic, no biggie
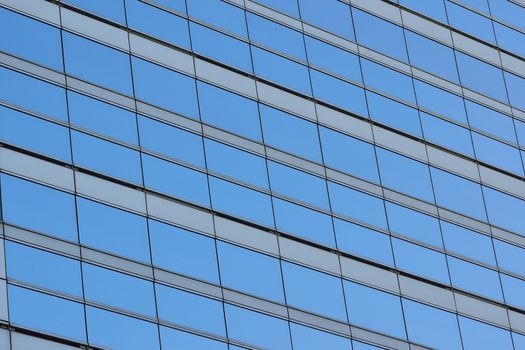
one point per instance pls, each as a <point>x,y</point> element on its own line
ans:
<point>265,174</point>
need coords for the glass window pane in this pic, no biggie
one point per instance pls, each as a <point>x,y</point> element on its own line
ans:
<point>106,157</point>
<point>430,326</point>
<point>235,163</point>
<point>229,111</point>
<point>190,310</point>
<point>514,290</point>
<point>38,208</point>
<point>510,257</point>
<point>405,175</point>
<point>440,101</point>
<point>470,22</point>
<point>34,134</point>
<point>97,63</point>
<point>175,339</point>
<point>257,329</point>
<point>510,39</point>
<point>306,338</point>
<point>43,269</point>
<point>357,205</point>
<point>330,15</point>
<point>113,230</point>
<point>30,39</point>
<point>115,331</point>
<point>113,10</point>
<point>250,272</point>
<point>220,14</point>
<point>349,154</point>
<point>165,88</point>
<point>175,5</point>
<point>363,242</point>
<point>285,6</point>
<point>474,278</point>
<point>289,133</point>
<point>468,243</point>
<point>480,336</point>
<point>183,252</point>
<point>34,310</point>
<point>459,194</point>
<point>314,291</point>
<point>221,47</point>
<point>504,210</point>
<point>291,183</point>
<point>158,23</point>
<point>497,153</point>
<point>515,88</point>
<point>490,121</point>
<point>170,141</point>
<point>449,135</point>
<point>241,201</point>
<point>508,11</point>
<point>435,9</point>
<point>373,309</point>
<point>190,185</point>
<point>102,118</point>
<point>33,94</point>
<point>303,222</point>
<point>388,81</point>
<point>118,290</point>
<point>386,37</point>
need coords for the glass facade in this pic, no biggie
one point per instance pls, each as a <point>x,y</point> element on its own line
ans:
<point>262,174</point>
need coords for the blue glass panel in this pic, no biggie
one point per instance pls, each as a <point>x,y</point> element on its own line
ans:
<point>405,175</point>
<point>183,252</point>
<point>510,257</point>
<point>43,269</point>
<point>34,134</point>
<point>385,37</point>
<point>314,291</point>
<point>333,59</point>
<point>420,261</point>
<point>470,22</point>
<point>38,208</point>
<point>480,336</point>
<point>291,183</point>
<point>348,154</point>
<point>175,5</point>
<point>508,11</point>
<point>235,163</point>
<point>254,328</point>
<point>32,310</point>
<point>220,14</point>
<point>413,224</point>
<point>289,133</point>
<point>158,23</point>
<point>30,39</point>
<point>97,63</point>
<point>277,37</point>
<point>514,290</point>
<point>475,74</point>
<point>305,338</point>
<point>303,222</point>
<point>106,157</point>
<point>497,153</point>
<point>430,326</point>
<point>440,101</point>
<point>339,93</point>
<point>434,9</point>
<point>33,94</point>
<point>362,346</point>
<point>459,194</point>
<point>176,180</point>
<point>241,201</point>
<point>281,71</point>
<point>330,15</point>
<point>363,242</point>
<point>174,339</point>
<point>394,114</point>
<point>170,141</point>
<point>449,135</point>
<point>357,205</point>
<point>229,111</point>
<point>388,81</point>
<point>480,5</point>
<point>490,121</point>
<point>504,210</point>
<point>432,56</point>
<point>520,130</point>
<point>515,88</point>
<point>115,331</point>
<point>468,243</point>
<point>250,272</point>
<point>474,278</point>
<point>113,10</point>
<point>510,39</point>
<point>221,47</point>
<point>288,7</point>
<point>102,118</point>
<point>118,290</point>
<point>112,230</point>
<point>190,310</point>
<point>165,88</point>
<point>373,309</point>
